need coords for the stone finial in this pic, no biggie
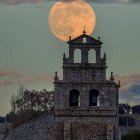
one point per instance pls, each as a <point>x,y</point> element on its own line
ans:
<point>112,77</point>
<point>56,77</point>
<point>84,32</point>
<point>119,83</point>
<point>69,38</point>
<point>104,56</point>
<point>99,38</point>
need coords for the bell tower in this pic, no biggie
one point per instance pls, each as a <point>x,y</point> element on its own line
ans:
<point>86,102</point>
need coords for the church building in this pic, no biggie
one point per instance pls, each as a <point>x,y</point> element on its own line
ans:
<point>85,101</point>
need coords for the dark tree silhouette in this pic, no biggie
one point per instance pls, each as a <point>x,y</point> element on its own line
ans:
<point>132,136</point>
<point>136,109</point>
<point>9,117</point>
<point>2,119</point>
<point>27,105</point>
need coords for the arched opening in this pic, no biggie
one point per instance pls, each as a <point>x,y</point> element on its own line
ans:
<point>84,40</point>
<point>74,98</point>
<point>94,98</point>
<point>92,56</point>
<point>77,56</point>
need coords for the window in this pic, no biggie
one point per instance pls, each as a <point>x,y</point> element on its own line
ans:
<point>77,56</point>
<point>74,98</point>
<point>92,56</point>
<point>94,98</point>
<point>84,40</point>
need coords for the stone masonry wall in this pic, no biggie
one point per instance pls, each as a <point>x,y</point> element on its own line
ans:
<point>89,128</point>
<point>42,128</point>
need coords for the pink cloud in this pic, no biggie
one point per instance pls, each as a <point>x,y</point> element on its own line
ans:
<point>10,74</point>
<point>14,78</point>
<point>6,83</point>
<point>127,81</point>
<point>10,77</point>
<point>38,78</point>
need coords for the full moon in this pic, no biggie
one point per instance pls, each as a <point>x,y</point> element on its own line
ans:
<point>70,18</point>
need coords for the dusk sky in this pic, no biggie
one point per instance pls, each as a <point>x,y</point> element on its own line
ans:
<point>30,54</point>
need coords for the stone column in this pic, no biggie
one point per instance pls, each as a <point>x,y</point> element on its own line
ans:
<point>71,55</point>
<point>84,55</point>
<point>98,58</point>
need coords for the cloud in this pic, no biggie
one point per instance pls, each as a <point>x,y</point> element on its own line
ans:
<point>6,83</point>
<point>127,81</point>
<point>135,1</point>
<point>13,77</point>
<point>10,74</point>
<point>8,78</point>
<point>108,1</point>
<point>131,95</point>
<point>14,2</point>
<point>38,78</point>
<point>130,88</point>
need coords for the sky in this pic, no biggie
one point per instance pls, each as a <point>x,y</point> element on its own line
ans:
<point>30,54</point>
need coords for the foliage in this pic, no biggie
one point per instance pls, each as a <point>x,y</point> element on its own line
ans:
<point>2,119</point>
<point>132,136</point>
<point>9,117</point>
<point>121,110</point>
<point>29,104</point>
<point>136,109</point>
<point>124,108</point>
<point>123,121</point>
<point>32,101</point>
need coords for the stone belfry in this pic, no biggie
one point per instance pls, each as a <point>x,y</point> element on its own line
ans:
<point>85,101</point>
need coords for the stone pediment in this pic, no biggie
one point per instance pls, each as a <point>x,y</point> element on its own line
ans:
<point>85,39</point>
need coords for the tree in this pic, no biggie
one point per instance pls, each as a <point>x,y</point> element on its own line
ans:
<point>132,136</point>
<point>27,105</point>
<point>9,117</point>
<point>136,109</point>
<point>2,119</point>
<point>16,99</point>
<point>121,110</point>
<point>38,101</point>
<point>125,106</point>
<point>123,121</point>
